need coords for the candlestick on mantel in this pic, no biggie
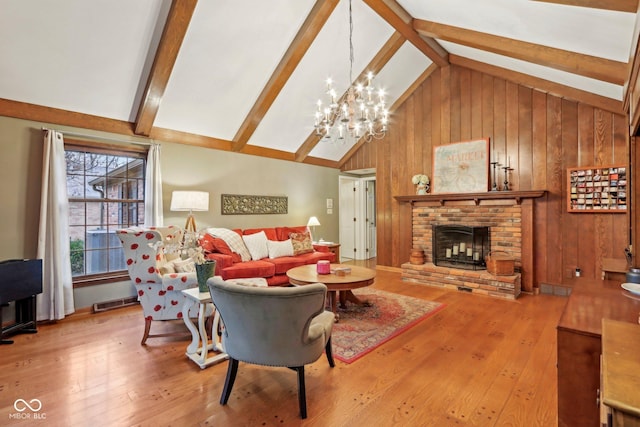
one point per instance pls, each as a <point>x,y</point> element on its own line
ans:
<point>463,246</point>
<point>455,249</point>
<point>448,255</point>
<point>469,252</point>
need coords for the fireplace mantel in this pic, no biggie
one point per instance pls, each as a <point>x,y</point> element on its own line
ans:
<point>475,197</point>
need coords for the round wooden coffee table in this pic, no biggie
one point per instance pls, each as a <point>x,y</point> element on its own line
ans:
<point>358,278</point>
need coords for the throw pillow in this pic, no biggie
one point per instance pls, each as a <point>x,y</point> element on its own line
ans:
<point>257,245</point>
<point>222,247</point>
<point>279,249</point>
<point>184,266</point>
<point>207,243</point>
<point>285,232</point>
<point>171,256</point>
<point>301,243</point>
<point>167,268</point>
<point>233,240</point>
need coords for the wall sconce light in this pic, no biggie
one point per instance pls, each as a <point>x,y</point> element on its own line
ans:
<point>191,201</point>
<point>313,222</point>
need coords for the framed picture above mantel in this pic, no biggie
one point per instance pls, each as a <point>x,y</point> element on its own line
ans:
<point>461,167</point>
<point>597,189</point>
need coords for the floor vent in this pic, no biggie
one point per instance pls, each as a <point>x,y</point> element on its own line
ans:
<point>547,289</point>
<point>113,304</point>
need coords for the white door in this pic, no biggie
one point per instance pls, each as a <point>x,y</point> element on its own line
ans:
<point>370,221</point>
<point>347,211</point>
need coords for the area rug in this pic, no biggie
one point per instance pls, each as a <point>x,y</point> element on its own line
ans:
<point>362,329</point>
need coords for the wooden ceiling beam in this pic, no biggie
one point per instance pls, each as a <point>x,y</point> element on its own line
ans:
<point>173,34</point>
<point>584,65</point>
<point>307,33</point>
<point>398,18</point>
<point>542,85</point>
<point>375,65</point>
<point>630,6</point>
<point>57,116</point>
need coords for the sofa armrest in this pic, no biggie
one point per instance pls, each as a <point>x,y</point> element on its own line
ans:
<point>222,261</point>
<point>321,248</point>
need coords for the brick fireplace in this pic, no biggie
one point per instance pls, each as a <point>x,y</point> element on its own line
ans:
<point>509,216</point>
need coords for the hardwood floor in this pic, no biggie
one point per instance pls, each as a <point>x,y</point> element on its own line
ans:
<point>481,361</point>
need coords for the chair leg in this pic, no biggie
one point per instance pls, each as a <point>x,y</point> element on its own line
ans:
<point>232,370</point>
<point>147,328</point>
<point>302,394</point>
<point>329,351</point>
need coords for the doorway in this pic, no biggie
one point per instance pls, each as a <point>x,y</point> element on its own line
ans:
<point>357,221</point>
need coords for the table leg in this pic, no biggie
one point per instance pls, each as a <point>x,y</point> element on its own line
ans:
<point>204,337</point>
<point>215,337</point>
<point>192,348</point>
<point>350,296</point>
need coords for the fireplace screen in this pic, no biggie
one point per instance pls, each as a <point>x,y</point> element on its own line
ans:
<point>460,246</point>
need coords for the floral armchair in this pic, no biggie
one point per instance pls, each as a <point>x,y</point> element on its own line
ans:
<point>157,283</point>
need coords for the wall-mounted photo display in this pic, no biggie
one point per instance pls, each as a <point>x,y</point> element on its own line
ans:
<point>597,189</point>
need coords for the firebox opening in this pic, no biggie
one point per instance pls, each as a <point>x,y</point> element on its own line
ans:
<point>460,246</point>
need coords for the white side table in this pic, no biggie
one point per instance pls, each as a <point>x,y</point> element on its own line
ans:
<point>198,350</point>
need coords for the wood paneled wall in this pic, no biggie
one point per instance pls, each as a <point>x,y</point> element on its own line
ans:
<point>542,134</point>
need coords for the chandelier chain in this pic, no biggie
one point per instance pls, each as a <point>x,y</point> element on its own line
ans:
<point>359,113</point>
<point>351,55</point>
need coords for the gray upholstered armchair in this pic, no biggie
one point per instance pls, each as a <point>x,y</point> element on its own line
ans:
<point>281,326</point>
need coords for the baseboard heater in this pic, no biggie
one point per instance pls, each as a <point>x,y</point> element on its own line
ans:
<point>113,304</point>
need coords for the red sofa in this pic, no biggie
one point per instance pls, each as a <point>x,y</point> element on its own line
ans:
<point>230,266</point>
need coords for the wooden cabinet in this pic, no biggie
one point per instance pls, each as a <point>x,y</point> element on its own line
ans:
<point>579,335</point>
<point>620,392</point>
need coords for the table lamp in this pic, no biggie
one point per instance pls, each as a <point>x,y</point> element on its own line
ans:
<point>313,221</point>
<point>191,201</point>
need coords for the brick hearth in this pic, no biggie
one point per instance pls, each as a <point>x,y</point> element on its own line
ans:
<point>477,282</point>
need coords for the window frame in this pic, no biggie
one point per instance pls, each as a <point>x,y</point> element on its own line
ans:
<point>129,150</point>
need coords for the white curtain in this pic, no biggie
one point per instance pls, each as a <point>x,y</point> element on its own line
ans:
<point>56,299</point>
<point>153,189</point>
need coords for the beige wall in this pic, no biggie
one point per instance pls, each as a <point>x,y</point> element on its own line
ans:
<point>306,187</point>
<point>183,167</point>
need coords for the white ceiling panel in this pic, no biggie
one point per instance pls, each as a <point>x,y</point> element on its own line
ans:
<point>596,32</point>
<point>572,80</point>
<point>77,55</point>
<point>94,57</point>
<point>227,57</point>
<point>395,78</point>
<point>290,120</point>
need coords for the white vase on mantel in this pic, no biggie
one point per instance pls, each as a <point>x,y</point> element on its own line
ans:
<point>422,189</point>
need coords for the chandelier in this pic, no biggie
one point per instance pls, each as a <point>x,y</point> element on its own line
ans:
<point>359,113</point>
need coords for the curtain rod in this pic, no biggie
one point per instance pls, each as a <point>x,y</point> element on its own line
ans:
<point>97,138</point>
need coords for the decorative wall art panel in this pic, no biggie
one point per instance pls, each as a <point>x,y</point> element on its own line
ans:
<point>598,189</point>
<point>462,167</point>
<point>235,204</point>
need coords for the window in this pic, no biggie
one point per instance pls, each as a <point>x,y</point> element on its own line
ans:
<point>106,192</point>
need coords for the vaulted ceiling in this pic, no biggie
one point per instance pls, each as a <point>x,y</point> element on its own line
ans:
<point>245,75</point>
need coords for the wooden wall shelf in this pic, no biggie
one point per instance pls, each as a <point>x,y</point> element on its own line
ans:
<point>475,197</point>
